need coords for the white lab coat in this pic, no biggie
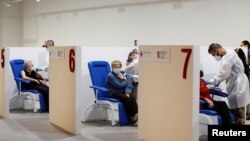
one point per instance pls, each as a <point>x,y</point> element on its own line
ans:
<point>232,70</point>
<point>132,68</point>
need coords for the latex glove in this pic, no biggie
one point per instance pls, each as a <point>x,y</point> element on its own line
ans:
<point>38,69</point>
<point>207,81</point>
<point>128,76</point>
<point>217,84</point>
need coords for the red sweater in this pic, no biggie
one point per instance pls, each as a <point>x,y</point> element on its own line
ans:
<point>204,91</point>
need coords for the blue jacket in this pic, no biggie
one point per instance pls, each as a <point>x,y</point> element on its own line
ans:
<point>115,84</point>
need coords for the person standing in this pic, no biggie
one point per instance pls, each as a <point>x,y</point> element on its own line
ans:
<point>132,70</point>
<point>246,45</point>
<point>48,44</point>
<point>237,84</point>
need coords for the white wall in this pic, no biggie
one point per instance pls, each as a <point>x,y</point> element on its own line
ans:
<point>96,23</point>
<point>11,23</point>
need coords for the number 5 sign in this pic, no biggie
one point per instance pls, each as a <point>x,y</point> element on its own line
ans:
<point>189,52</point>
<point>72,60</point>
<point>2,58</point>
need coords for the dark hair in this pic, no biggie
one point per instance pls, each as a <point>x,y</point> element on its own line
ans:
<point>134,51</point>
<point>51,42</point>
<point>246,43</point>
<point>242,56</point>
<point>213,47</point>
<point>201,73</point>
<point>129,60</point>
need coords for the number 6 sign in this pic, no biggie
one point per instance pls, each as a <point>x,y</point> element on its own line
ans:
<point>188,51</point>
<point>72,60</point>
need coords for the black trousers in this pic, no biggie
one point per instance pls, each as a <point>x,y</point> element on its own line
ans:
<point>129,103</point>
<point>223,110</point>
<point>44,90</point>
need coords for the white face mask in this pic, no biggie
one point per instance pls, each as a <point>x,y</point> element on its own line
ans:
<point>217,58</point>
<point>117,70</point>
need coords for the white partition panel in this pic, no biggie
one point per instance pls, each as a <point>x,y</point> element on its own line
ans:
<point>63,96</point>
<point>168,93</point>
<point>2,94</point>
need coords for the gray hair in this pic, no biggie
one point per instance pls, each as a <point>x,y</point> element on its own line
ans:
<point>27,63</point>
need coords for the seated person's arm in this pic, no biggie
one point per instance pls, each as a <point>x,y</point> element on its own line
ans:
<point>39,76</point>
<point>115,82</point>
<point>28,78</point>
<point>208,101</point>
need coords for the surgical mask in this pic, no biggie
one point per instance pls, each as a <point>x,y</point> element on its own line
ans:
<point>217,58</point>
<point>117,71</point>
<point>136,60</point>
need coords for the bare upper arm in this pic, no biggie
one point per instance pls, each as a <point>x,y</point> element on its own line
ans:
<point>39,75</point>
<point>23,74</point>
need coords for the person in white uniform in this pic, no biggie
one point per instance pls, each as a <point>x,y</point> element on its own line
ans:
<point>237,84</point>
<point>132,70</point>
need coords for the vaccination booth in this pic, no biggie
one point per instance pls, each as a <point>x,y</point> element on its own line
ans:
<point>168,93</point>
<point>169,76</point>
<point>13,99</point>
<point>69,82</point>
<point>70,92</point>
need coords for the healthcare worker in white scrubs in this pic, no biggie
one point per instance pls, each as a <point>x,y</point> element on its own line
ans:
<point>237,84</point>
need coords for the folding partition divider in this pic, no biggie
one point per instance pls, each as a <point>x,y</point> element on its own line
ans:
<point>2,93</point>
<point>168,93</point>
<point>63,66</point>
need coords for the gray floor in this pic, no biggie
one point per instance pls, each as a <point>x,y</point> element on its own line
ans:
<point>28,126</point>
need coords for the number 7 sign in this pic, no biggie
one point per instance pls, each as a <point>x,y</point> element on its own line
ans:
<point>189,52</point>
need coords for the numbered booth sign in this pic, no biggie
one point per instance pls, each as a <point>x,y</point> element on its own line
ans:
<point>2,58</point>
<point>72,60</point>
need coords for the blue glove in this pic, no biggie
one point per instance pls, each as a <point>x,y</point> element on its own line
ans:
<point>128,89</point>
<point>207,82</point>
<point>38,69</point>
<point>128,76</point>
<point>216,84</point>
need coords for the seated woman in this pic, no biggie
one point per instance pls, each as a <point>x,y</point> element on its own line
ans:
<point>117,85</point>
<point>36,81</point>
<point>219,106</point>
